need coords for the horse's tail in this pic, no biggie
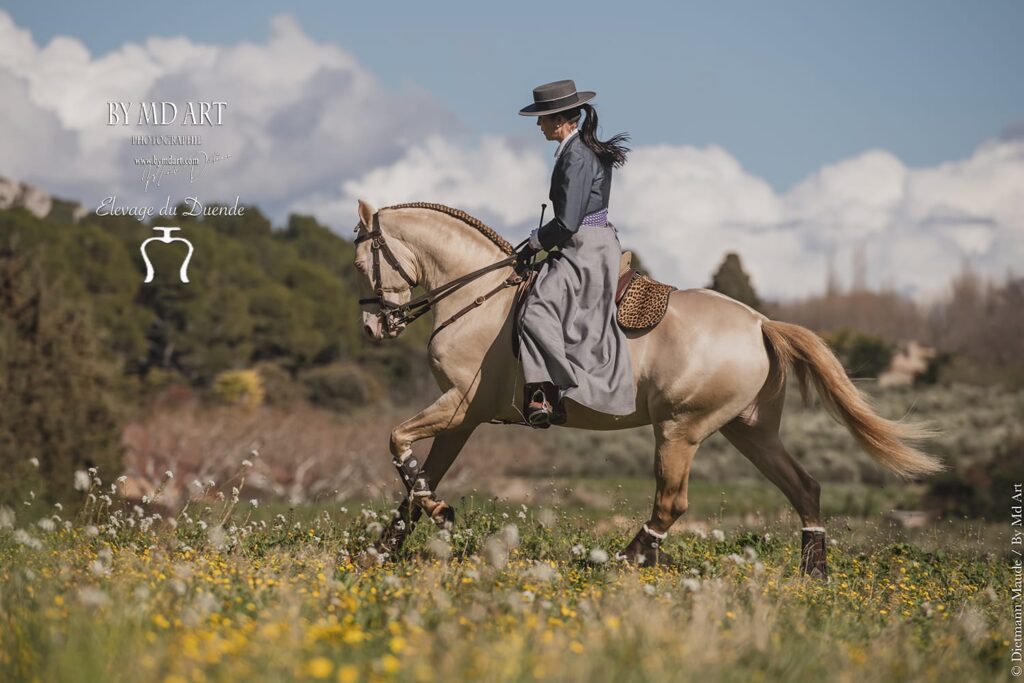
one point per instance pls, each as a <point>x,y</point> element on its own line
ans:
<point>813,362</point>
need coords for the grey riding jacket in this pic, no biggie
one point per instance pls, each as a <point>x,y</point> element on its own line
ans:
<point>581,186</point>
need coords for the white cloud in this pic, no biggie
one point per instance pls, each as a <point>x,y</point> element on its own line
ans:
<point>301,115</point>
<point>490,179</point>
<point>681,208</point>
<point>311,130</point>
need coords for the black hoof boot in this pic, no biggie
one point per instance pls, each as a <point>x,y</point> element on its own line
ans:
<point>403,521</point>
<point>645,550</point>
<point>443,515</point>
<point>813,554</point>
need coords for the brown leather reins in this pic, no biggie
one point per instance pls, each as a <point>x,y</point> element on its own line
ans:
<point>396,316</point>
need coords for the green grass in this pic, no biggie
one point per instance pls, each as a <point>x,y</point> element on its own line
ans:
<point>269,600</point>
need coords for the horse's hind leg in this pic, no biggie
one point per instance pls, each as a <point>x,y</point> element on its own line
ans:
<point>673,457</point>
<point>758,440</point>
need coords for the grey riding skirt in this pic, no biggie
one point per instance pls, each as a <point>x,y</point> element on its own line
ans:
<point>568,334</point>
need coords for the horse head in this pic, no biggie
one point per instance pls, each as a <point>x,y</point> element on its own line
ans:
<point>390,271</point>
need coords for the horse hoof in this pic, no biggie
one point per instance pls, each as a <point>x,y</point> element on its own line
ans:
<point>443,515</point>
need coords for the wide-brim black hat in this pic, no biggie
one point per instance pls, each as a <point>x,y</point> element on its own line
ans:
<point>554,97</point>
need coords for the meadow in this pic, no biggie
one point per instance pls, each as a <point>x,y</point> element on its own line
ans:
<point>227,589</point>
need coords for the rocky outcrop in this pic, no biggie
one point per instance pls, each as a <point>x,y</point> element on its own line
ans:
<point>907,364</point>
<point>37,202</point>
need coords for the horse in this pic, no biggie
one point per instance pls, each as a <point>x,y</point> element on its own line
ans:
<point>712,364</point>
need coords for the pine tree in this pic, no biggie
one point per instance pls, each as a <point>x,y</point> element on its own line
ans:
<point>733,281</point>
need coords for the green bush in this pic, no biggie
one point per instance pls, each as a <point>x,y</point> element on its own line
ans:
<point>980,488</point>
<point>239,387</point>
<point>341,386</point>
<point>863,355</point>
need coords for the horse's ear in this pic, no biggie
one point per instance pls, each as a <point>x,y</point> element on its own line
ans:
<point>366,212</point>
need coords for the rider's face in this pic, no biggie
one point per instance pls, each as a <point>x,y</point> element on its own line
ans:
<point>549,123</point>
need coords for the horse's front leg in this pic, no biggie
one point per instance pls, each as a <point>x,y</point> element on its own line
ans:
<point>445,421</point>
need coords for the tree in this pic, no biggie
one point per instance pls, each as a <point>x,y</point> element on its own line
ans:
<point>733,281</point>
<point>56,387</point>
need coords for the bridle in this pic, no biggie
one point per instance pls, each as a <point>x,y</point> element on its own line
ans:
<point>394,317</point>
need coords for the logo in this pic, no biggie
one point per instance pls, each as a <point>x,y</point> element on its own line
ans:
<point>166,238</point>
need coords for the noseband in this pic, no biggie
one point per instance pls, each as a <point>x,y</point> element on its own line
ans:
<point>396,316</point>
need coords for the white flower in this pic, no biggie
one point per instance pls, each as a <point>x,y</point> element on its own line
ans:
<point>541,572</point>
<point>439,549</point>
<point>81,480</point>
<point>255,503</point>
<point>92,597</point>
<point>25,539</point>
<point>247,463</point>
<point>169,474</point>
<point>597,556</point>
<point>58,506</point>
<point>649,589</point>
<point>692,585</point>
<point>717,535</point>
<point>122,479</point>
<point>6,517</point>
<point>577,550</point>
<point>46,524</point>
<point>92,531</point>
<point>510,535</point>
<point>34,462</point>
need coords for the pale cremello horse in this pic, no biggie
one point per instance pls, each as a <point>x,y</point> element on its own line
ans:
<point>712,364</point>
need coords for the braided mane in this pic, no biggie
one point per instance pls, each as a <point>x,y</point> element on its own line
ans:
<point>472,221</point>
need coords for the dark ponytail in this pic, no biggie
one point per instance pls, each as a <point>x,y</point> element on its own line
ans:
<point>612,151</point>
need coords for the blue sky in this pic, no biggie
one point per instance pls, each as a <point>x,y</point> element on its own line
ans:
<point>785,87</point>
<point>794,134</point>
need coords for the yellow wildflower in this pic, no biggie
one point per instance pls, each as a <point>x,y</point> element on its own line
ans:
<point>319,667</point>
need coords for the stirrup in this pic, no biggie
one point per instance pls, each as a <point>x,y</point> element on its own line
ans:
<point>538,412</point>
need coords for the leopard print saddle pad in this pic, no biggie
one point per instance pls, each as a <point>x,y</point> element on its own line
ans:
<point>642,301</point>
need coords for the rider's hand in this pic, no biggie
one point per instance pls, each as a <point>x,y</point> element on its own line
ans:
<point>526,253</point>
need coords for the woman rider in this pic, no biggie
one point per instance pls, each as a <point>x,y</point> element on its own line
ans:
<point>570,345</point>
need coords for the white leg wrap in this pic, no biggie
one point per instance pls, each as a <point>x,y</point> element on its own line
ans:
<point>654,533</point>
<point>814,528</point>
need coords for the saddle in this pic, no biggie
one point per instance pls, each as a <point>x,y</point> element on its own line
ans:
<point>641,300</point>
